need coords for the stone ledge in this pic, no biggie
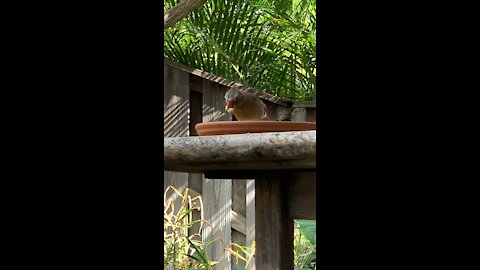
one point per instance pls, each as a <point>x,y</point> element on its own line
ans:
<point>254,151</point>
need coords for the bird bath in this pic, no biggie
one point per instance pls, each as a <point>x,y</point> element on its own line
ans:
<point>283,165</point>
<point>241,127</point>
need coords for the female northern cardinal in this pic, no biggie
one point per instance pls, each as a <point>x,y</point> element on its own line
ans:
<point>245,106</point>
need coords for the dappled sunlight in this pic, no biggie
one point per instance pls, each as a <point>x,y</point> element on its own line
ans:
<point>175,115</point>
<point>213,114</point>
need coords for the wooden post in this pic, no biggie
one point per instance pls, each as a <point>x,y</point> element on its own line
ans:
<point>273,228</point>
<point>176,94</point>
<point>250,218</point>
<point>217,202</point>
<point>299,115</point>
<point>216,194</point>
<point>238,217</point>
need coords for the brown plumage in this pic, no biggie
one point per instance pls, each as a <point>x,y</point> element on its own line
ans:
<point>245,106</point>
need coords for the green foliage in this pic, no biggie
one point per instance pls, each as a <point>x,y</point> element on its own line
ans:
<point>180,250</point>
<point>305,247</point>
<point>268,45</point>
<point>242,253</point>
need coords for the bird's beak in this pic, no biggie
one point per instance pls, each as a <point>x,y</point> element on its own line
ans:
<point>229,106</point>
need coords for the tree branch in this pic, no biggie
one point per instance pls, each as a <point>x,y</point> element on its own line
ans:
<point>180,11</point>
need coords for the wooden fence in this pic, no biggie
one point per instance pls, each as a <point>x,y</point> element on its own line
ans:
<point>192,96</point>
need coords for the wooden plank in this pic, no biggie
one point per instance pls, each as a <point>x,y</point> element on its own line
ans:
<point>305,104</point>
<point>272,165</point>
<point>214,103</point>
<point>239,189</point>
<point>196,114</point>
<point>302,195</point>
<point>224,82</point>
<point>271,110</point>
<point>217,194</point>
<point>299,115</point>
<point>176,91</point>
<point>273,229</point>
<point>196,83</point>
<point>250,217</point>
<point>238,217</point>
<point>311,115</point>
<point>249,174</point>
<point>176,95</point>
<point>239,223</point>
<point>217,201</point>
<point>237,238</point>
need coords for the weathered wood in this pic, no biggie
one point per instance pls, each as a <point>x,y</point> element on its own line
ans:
<point>230,226</point>
<point>176,95</point>
<point>176,123</point>
<point>273,229</point>
<point>299,115</point>
<point>302,195</point>
<point>175,112</point>
<point>237,238</point>
<point>214,103</point>
<point>180,11</point>
<point>239,189</point>
<point>267,166</point>
<point>311,115</point>
<point>196,83</point>
<point>217,194</point>
<point>240,173</point>
<point>305,104</point>
<point>304,111</point>
<point>250,218</point>
<point>259,147</point>
<point>225,82</point>
<point>217,201</point>
<point>239,222</point>
<point>196,115</point>
<point>271,109</point>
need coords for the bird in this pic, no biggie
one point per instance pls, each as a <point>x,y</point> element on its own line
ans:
<point>245,106</point>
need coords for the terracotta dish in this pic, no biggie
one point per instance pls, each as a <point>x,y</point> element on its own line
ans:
<point>240,127</point>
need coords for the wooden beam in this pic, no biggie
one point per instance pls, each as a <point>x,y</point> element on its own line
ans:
<point>302,195</point>
<point>273,228</point>
<point>226,82</point>
<point>276,150</point>
<point>180,11</point>
<point>250,174</point>
<point>217,204</point>
<point>305,104</point>
<point>250,218</point>
<point>239,222</point>
<point>229,167</point>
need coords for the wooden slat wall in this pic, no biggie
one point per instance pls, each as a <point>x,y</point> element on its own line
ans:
<point>217,193</point>
<point>250,218</point>
<point>239,208</point>
<point>305,111</point>
<point>191,98</point>
<point>214,102</point>
<point>176,95</point>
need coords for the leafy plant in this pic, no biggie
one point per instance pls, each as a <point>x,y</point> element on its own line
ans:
<point>269,45</point>
<point>181,250</point>
<point>242,253</point>
<point>305,247</point>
